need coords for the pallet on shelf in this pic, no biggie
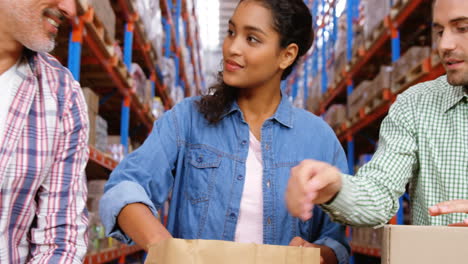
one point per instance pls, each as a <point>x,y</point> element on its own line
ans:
<point>398,6</point>
<point>376,33</point>
<point>414,73</point>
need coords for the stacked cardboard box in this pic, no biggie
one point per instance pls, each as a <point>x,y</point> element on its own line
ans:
<point>336,115</point>
<point>150,14</point>
<point>407,66</point>
<point>374,13</point>
<point>96,234</point>
<point>359,41</point>
<point>92,100</point>
<point>115,148</point>
<point>367,237</point>
<point>382,81</point>
<point>106,15</point>
<point>141,85</point>
<point>101,134</point>
<point>314,94</point>
<point>358,98</point>
<point>403,244</point>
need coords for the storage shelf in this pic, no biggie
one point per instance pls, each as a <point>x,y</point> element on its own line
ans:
<point>367,55</point>
<point>192,43</point>
<point>114,66</point>
<point>364,250</point>
<point>382,110</point>
<point>166,12</point>
<point>141,42</point>
<point>101,159</point>
<point>111,254</point>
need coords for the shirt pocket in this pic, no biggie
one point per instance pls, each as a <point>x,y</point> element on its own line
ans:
<point>203,166</point>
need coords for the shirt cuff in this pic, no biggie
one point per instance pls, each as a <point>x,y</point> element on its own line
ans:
<point>114,200</point>
<point>342,254</point>
<point>342,202</point>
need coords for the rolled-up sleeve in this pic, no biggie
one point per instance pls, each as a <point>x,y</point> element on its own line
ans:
<point>116,198</point>
<point>145,176</point>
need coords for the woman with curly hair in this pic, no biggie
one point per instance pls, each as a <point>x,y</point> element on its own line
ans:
<point>226,157</point>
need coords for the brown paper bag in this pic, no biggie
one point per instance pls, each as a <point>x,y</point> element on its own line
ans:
<point>180,251</point>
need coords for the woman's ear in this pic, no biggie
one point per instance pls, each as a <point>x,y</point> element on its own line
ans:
<point>288,55</point>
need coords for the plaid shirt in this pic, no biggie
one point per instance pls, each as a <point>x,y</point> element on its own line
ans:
<point>43,154</point>
<point>424,142</point>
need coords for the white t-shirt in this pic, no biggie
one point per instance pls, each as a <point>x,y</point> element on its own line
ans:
<point>6,96</point>
<point>249,227</point>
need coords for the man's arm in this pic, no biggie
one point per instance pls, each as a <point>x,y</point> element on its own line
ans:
<point>371,197</point>
<point>61,217</point>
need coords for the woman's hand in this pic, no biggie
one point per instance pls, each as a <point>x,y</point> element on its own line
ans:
<point>327,256</point>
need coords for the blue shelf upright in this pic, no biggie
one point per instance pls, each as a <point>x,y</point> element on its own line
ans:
<point>125,117</point>
<point>74,48</point>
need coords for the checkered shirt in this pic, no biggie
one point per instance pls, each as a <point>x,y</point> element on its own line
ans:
<point>423,142</point>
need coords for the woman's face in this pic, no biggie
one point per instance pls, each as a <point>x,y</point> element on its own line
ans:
<point>251,51</point>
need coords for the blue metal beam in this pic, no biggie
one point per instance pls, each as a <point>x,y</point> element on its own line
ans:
<point>125,114</point>
<point>74,50</point>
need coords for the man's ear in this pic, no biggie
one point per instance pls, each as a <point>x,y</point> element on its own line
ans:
<point>288,55</point>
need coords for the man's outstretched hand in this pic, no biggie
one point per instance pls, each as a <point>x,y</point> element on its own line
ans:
<point>311,182</point>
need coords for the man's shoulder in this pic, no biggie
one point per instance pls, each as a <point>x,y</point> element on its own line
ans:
<point>49,62</point>
<point>55,75</point>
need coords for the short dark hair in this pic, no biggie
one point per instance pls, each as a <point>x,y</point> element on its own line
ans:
<point>293,21</point>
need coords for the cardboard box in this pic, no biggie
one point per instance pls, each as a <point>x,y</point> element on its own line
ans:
<point>178,251</point>
<point>424,244</point>
<point>106,15</point>
<point>92,100</point>
<point>358,98</point>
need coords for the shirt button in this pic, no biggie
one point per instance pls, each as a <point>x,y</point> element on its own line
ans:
<point>233,216</point>
<point>200,159</point>
<point>268,184</point>
<point>267,147</point>
<point>240,177</point>
<point>269,221</point>
<point>244,142</point>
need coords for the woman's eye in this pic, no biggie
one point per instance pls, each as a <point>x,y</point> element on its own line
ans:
<point>252,39</point>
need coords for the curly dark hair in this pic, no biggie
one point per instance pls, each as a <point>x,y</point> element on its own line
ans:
<point>293,21</point>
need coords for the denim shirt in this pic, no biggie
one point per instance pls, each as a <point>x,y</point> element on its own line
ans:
<point>203,167</point>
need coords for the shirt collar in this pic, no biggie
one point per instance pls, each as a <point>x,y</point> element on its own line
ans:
<point>453,97</point>
<point>283,114</point>
<point>27,64</point>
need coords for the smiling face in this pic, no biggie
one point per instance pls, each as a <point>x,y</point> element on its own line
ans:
<point>251,51</point>
<point>34,23</point>
<point>451,35</point>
